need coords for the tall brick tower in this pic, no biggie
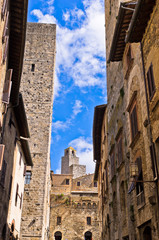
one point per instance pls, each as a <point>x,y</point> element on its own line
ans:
<point>70,164</point>
<point>37,89</point>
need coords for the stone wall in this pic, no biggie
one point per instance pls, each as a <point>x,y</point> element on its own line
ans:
<point>74,208</point>
<point>37,89</point>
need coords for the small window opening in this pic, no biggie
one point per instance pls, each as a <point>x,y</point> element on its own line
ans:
<point>33,67</point>
<point>27,177</point>
<point>58,220</point>
<point>78,184</point>
<point>88,220</point>
<point>95,184</point>
<point>67,181</point>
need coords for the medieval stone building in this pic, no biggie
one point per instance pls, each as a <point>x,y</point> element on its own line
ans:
<point>14,132</point>
<point>74,203</point>
<point>127,167</point>
<point>37,88</point>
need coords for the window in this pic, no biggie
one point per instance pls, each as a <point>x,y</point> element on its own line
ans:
<point>67,181</point>
<point>10,186</point>
<point>2,147</point>
<point>133,121</point>
<point>20,159</point>
<point>27,177</point>
<point>16,195</point>
<point>112,163</point>
<point>88,220</point>
<point>139,183</point>
<point>58,220</point>
<point>33,67</point>
<point>150,81</point>
<point>95,184</point>
<point>120,149</point>
<point>78,184</point>
<point>21,199</point>
<point>153,159</point>
<point>3,174</point>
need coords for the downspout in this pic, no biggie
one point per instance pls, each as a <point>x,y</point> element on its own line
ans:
<point>149,122</point>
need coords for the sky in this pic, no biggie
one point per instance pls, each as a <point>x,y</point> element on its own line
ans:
<point>80,73</point>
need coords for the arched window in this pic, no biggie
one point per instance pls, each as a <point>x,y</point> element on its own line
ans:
<point>58,235</point>
<point>88,236</point>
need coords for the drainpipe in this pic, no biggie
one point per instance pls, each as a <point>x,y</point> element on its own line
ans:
<point>149,122</point>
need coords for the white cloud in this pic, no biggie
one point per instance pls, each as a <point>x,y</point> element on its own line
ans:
<point>61,125</point>
<point>77,108</point>
<point>81,51</point>
<point>47,18</point>
<point>85,152</point>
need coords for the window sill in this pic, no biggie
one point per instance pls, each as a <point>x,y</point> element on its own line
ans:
<point>137,136</point>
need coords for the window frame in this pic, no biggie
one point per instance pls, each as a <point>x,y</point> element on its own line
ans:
<point>28,177</point>
<point>151,82</point>
<point>134,126</point>
<point>89,221</point>
<point>59,220</point>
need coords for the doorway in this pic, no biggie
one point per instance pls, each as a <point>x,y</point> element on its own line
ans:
<point>58,235</point>
<point>147,233</point>
<point>88,236</point>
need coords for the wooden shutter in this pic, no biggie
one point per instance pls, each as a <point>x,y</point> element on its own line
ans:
<point>1,154</point>
<point>6,48</point>
<point>10,186</point>
<point>16,195</point>
<point>21,198</point>
<point>4,6</point>
<point>150,81</point>
<point>3,174</point>
<point>5,27</point>
<point>7,87</point>
<point>153,159</point>
<point>24,170</point>
<point>133,121</point>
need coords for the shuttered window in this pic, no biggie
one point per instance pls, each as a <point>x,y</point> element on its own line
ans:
<point>7,87</point>
<point>1,155</point>
<point>151,82</point>
<point>153,159</point>
<point>3,174</point>
<point>24,173</point>
<point>133,121</point>
<point>16,195</point>
<point>21,199</point>
<point>5,27</point>
<point>5,52</point>
<point>20,159</point>
<point>112,163</point>
<point>139,185</point>
<point>10,186</point>
<point>4,7</point>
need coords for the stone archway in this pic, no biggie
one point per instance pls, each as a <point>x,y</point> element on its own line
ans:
<point>88,236</point>
<point>147,233</point>
<point>58,235</point>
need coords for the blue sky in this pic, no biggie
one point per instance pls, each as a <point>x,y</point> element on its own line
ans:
<point>80,75</point>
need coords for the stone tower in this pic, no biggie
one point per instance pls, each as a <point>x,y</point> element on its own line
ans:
<point>37,89</point>
<point>70,164</point>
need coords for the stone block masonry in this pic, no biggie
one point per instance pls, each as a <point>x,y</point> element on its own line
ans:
<point>37,88</point>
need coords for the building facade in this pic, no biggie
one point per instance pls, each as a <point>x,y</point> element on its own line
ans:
<point>74,206</point>
<point>132,122</point>
<point>37,88</point>
<point>14,131</point>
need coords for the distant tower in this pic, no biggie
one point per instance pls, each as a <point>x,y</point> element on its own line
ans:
<point>70,164</point>
<point>37,88</point>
